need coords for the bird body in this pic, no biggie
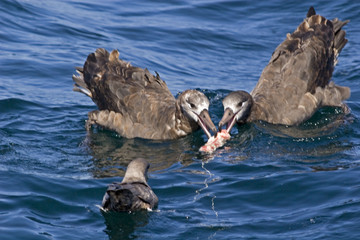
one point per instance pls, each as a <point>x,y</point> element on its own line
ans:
<point>296,81</point>
<point>135,103</point>
<point>133,193</point>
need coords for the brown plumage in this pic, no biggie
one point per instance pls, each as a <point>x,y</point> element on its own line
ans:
<point>135,103</point>
<point>296,81</point>
<point>133,193</point>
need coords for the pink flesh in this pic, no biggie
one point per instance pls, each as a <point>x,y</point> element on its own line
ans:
<point>214,143</point>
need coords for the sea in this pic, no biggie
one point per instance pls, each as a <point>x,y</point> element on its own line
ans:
<point>267,182</point>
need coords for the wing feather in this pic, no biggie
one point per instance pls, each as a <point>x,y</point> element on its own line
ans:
<point>303,63</point>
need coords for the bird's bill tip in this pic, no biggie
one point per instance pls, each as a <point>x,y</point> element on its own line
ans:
<point>206,123</point>
<point>227,119</point>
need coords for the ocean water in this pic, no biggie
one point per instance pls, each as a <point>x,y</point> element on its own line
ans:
<point>271,182</point>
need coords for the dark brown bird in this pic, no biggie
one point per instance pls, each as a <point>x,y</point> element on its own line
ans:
<point>133,193</point>
<point>135,103</point>
<point>296,82</point>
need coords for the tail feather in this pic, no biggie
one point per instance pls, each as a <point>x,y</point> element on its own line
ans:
<point>339,40</point>
<point>79,70</point>
<point>80,85</point>
<point>79,81</point>
<point>338,24</point>
<point>311,12</point>
<point>95,65</point>
<point>89,80</point>
<point>90,72</point>
<point>82,90</point>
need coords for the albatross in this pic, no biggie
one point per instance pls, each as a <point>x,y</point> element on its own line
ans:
<point>133,193</point>
<point>296,81</point>
<point>135,103</point>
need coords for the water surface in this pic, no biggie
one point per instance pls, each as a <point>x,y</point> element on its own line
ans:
<point>271,182</point>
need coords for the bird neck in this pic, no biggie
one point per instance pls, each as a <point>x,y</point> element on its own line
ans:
<point>257,111</point>
<point>183,123</point>
<point>131,179</point>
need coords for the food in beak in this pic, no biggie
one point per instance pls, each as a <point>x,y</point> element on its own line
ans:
<point>216,142</point>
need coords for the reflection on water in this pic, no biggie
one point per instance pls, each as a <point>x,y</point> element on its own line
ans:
<point>318,143</point>
<point>324,122</point>
<point>259,185</point>
<point>121,225</point>
<point>317,137</point>
<point>112,153</point>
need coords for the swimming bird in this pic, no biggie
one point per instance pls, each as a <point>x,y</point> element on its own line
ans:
<point>135,103</point>
<point>133,193</point>
<point>296,81</point>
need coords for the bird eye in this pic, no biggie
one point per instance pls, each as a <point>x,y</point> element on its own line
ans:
<point>240,104</point>
<point>192,105</point>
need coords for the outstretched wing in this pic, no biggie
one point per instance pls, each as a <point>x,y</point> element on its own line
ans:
<point>131,100</point>
<point>303,62</point>
<point>118,86</point>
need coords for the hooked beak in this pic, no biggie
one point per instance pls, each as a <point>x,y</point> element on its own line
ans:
<point>228,119</point>
<point>206,123</point>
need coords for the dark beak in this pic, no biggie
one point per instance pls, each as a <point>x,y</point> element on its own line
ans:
<point>206,123</point>
<point>228,119</point>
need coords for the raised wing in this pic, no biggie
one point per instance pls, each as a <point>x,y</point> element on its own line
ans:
<point>301,64</point>
<point>118,86</point>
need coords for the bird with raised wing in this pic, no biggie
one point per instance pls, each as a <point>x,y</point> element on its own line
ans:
<point>296,81</point>
<point>135,103</point>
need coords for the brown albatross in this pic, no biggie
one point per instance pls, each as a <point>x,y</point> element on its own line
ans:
<point>133,193</point>
<point>296,81</point>
<point>135,103</point>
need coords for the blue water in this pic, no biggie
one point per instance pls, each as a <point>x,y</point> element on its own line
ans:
<point>271,182</point>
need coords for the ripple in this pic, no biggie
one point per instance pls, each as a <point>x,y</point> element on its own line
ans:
<point>267,182</point>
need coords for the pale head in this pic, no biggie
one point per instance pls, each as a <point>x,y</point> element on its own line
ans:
<point>237,107</point>
<point>195,106</point>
